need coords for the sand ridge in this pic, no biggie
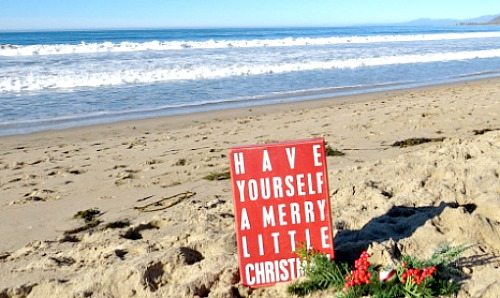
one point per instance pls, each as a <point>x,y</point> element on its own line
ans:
<point>412,199</point>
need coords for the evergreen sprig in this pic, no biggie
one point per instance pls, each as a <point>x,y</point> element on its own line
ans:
<point>321,273</point>
<point>443,256</point>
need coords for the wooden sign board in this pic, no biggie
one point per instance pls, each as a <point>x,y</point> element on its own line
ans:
<point>281,201</point>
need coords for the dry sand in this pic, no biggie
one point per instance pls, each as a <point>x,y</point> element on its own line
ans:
<point>412,199</point>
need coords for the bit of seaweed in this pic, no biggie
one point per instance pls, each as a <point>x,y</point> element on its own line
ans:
<point>333,152</point>
<point>69,238</point>
<point>84,228</point>
<point>132,234</point>
<point>180,162</point>
<point>4,255</point>
<point>88,215</point>
<point>218,176</point>
<point>119,224</point>
<point>166,202</point>
<point>135,233</point>
<point>63,261</point>
<point>415,141</point>
<point>120,253</point>
<point>482,131</point>
<point>190,256</point>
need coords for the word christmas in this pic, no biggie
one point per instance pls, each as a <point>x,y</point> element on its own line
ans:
<point>281,201</point>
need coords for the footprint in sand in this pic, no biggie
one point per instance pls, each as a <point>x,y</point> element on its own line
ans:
<point>137,143</point>
<point>18,165</point>
<point>37,195</point>
<point>126,176</point>
<point>38,161</point>
<point>25,178</point>
<point>75,171</point>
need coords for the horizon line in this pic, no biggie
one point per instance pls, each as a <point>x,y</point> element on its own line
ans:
<point>27,30</point>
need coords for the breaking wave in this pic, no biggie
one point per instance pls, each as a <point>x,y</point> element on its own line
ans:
<point>115,75</point>
<point>110,47</point>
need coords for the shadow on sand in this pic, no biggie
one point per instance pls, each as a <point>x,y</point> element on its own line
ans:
<point>398,223</point>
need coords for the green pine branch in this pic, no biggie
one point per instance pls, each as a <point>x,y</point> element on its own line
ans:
<point>321,273</point>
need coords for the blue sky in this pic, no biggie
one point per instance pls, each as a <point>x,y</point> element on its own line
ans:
<point>71,14</point>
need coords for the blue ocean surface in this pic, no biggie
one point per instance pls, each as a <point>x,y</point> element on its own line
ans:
<point>51,80</point>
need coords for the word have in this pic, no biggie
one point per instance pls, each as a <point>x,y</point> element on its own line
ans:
<point>239,160</point>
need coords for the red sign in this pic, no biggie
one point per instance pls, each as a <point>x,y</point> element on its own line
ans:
<point>281,201</point>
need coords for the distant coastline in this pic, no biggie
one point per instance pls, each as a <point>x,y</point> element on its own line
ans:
<point>493,22</point>
<point>487,20</point>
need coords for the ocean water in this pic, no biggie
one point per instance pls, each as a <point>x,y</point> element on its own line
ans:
<point>51,80</point>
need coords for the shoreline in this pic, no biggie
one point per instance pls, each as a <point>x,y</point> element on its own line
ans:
<point>179,120</point>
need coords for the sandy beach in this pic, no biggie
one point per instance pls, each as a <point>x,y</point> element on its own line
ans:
<point>383,197</point>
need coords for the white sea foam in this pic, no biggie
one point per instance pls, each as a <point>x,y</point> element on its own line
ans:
<point>91,77</point>
<point>109,47</point>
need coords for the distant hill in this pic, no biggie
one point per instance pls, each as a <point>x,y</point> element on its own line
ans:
<point>483,20</point>
<point>495,21</point>
<point>430,22</point>
<point>490,20</point>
